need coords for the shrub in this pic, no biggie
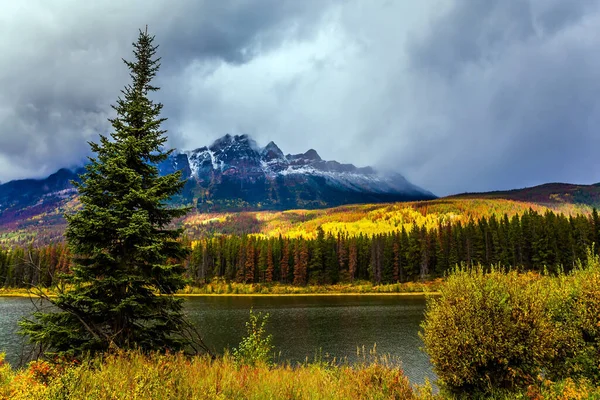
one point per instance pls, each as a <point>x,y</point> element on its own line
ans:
<point>4,371</point>
<point>256,348</point>
<point>576,313</point>
<point>504,330</point>
<point>489,330</point>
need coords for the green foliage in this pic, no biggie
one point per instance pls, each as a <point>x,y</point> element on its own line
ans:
<point>255,348</point>
<point>504,330</point>
<point>575,310</point>
<point>126,259</point>
<point>487,330</point>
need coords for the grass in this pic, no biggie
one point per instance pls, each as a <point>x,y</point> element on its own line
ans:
<point>136,376</point>
<point>221,287</point>
<point>22,292</point>
<point>131,375</point>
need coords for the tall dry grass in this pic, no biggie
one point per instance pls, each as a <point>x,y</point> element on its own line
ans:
<point>132,375</point>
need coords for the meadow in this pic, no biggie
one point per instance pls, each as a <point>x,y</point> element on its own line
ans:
<point>223,287</point>
<point>131,375</point>
<point>46,226</point>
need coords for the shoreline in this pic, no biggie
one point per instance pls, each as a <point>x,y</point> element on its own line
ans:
<point>400,294</point>
<point>407,294</point>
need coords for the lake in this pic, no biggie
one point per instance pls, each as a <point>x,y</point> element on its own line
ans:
<point>302,326</point>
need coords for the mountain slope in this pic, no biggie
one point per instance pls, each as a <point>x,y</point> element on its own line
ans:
<point>549,194</point>
<point>232,174</point>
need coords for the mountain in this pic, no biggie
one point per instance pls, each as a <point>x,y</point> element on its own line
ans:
<point>232,174</point>
<point>549,194</point>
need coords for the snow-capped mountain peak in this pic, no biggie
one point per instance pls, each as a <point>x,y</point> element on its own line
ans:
<point>238,161</point>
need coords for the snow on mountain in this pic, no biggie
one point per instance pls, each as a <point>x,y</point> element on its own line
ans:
<point>240,156</point>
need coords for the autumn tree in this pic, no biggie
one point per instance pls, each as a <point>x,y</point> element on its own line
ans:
<point>301,263</point>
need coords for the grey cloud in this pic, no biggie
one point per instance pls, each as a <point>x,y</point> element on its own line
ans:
<point>457,95</point>
<point>517,111</point>
<point>472,31</point>
<point>554,15</point>
<point>233,31</point>
<point>61,67</point>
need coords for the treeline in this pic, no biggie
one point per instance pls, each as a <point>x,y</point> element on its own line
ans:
<point>33,266</point>
<point>531,241</point>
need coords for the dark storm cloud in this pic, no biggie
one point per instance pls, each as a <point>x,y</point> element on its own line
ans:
<point>61,68</point>
<point>458,95</point>
<point>233,31</point>
<point>518,83</point>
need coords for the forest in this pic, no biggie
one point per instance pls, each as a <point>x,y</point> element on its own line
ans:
<point>531,241</point>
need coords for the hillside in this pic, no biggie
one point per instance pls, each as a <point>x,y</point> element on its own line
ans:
<point>46,224</point>
<point>367,219</point>
<point>232,174</point>
<point>550,194</point>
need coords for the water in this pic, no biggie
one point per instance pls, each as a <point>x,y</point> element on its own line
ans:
<point>302,326</point>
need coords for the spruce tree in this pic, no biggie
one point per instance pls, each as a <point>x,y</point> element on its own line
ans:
<point>126,258</point>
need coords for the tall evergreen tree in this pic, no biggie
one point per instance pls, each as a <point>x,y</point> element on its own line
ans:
<point>270,266</point>
<point>126,260</point>
<point>285,261</point>
<point>250,263</point>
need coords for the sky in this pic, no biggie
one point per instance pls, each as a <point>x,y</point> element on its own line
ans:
<point>456,95</point>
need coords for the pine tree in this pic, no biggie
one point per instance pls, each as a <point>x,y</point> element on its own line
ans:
<point>241,272</point>
<point>126,260</point>
<point>396,262</point>
<point>270,266</point>
<point>300,263</point>
<point>352,260</point>
<point>262,261</point>
<point>285,259</point>
<point>342,252</point>
<point>249,267</point>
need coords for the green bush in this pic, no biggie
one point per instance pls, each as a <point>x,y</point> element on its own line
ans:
<point>504,330</point>
<point>488,330</point>
<point>576,313</point>
<point>257,347</point>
